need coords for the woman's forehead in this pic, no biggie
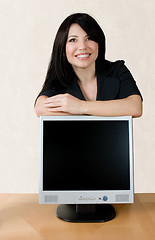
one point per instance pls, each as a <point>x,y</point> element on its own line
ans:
<point>76,30</point>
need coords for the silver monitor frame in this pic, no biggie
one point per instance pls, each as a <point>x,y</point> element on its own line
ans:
<point>87,197</point>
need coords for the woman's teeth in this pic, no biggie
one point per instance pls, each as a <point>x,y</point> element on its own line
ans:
<point>82,56</point>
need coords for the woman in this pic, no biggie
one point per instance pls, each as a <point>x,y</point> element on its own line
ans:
<point>80,80</point>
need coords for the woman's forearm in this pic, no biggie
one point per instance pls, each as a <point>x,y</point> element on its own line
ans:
<point>131,105</point>
<point>66,104</point>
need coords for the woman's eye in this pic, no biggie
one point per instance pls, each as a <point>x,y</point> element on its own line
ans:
<point>72,40</point>
<point>88,38</point>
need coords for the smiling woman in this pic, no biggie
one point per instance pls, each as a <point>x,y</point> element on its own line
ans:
<point>81,51</point>
<point>80,80</point>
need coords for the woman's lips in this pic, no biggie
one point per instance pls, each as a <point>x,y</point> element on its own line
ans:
<point>83,56</point>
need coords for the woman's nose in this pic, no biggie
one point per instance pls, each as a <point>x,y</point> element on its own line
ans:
<point>82,45</point>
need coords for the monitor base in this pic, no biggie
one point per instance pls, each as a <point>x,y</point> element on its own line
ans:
<point>85,212</point>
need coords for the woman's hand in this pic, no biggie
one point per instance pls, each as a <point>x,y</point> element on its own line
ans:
<point>65,103</point>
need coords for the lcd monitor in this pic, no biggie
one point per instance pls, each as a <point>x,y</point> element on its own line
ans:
<point>86,165</point>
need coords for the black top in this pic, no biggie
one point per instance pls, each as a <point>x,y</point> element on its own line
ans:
<point>115,82</point>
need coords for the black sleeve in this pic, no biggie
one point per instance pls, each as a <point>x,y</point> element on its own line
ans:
<point>48,93</point>
<point>127,83</point>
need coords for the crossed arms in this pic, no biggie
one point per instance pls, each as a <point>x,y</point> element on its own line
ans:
<point>66,104</point>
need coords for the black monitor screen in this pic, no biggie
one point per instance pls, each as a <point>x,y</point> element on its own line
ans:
<point>86,155</point>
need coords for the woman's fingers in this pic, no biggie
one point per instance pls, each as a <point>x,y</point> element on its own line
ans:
<point>52,104</point>
<point>64,103</point>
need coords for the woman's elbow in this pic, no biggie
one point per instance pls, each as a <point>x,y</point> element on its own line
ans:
<point>37,111</point>
<point>138,110</point>
<point>138,113</point>
<point>39,106</point>
<point>135,106</point>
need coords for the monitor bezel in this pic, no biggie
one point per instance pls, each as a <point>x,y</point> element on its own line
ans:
<point>87,197</point>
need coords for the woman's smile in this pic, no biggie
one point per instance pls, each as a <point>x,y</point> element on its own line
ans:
<point>83,56</point>
<point>81,51</point>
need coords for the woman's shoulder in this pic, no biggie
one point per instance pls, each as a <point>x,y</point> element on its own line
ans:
<point>114,65</point>
<point>115,68</point>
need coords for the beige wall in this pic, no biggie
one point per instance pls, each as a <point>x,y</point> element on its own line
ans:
<point>27,31</point>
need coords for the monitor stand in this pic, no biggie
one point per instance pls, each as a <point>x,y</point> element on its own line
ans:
<point>85,212</point>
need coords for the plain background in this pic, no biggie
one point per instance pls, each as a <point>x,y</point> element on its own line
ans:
<point>27,32</point>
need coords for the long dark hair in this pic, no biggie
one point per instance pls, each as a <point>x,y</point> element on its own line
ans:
<point>60,72</point>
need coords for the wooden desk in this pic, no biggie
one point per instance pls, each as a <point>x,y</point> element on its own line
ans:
<point>22,218</point>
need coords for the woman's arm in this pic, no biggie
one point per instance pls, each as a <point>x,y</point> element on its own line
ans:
<point>66,103</point>
<point>130,106</point>
<point>41,110</point>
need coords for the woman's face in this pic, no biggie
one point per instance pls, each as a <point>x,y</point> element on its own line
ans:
<point>81,51</point>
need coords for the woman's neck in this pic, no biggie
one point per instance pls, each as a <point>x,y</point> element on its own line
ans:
<point>85,75</point>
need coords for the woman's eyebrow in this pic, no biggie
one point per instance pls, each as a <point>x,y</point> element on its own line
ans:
<point>72,36</point>
<point>77,36</point>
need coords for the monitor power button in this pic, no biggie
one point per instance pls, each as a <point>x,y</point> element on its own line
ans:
<point>105,198</point>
